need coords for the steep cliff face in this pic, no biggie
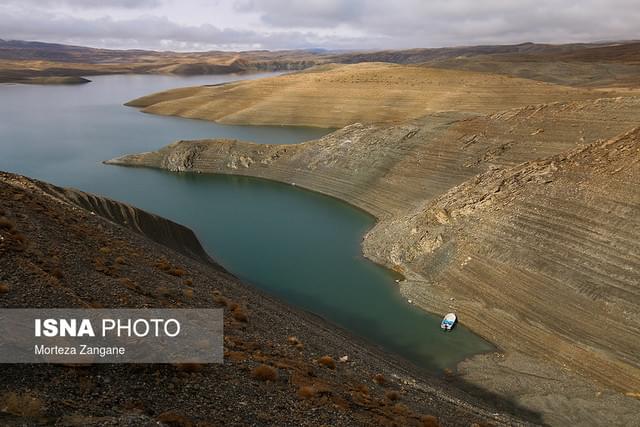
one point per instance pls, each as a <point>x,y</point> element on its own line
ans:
<point>161,230</point>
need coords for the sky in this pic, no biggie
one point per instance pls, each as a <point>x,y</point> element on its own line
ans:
<point>194,25</point>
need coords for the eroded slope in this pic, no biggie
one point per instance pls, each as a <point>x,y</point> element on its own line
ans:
<point>542,256</point>
<point>388,170</point>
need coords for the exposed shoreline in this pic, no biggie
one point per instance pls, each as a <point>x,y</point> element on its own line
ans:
<point>321,172</point>
<point>51,209</point>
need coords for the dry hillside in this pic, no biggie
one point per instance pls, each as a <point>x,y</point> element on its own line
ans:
<point>339,95</point>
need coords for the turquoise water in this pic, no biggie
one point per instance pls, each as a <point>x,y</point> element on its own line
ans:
<point>298,245</point>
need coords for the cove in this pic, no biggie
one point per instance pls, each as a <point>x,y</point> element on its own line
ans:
<point>300,246</point>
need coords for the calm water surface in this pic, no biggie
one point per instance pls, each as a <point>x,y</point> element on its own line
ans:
<point>298,245</point>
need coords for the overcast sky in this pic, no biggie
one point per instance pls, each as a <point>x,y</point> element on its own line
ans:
<point>334,24</point>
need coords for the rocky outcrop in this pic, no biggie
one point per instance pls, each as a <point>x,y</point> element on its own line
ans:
<point>158,229</point>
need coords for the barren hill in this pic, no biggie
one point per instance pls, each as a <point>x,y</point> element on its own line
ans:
<point>338,95</point>
<point>582,64</point>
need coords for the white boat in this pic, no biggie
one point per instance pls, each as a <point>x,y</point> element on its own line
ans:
<point>448,322</point>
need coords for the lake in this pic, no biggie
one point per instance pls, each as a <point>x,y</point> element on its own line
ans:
<point>300,246</point>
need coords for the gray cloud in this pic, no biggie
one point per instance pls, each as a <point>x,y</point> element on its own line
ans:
<point>153,32</point>
<point>278,24</point>
<point>91,4</point>
<point>414,23</point>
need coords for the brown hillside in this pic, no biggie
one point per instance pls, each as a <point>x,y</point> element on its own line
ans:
<point>339,95</point>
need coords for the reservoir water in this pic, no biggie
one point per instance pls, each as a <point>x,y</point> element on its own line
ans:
<point>301,246</point>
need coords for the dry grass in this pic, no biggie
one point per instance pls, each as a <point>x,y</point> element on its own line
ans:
<point>177,271</point>
<point>163,291</point>
<point>379,379</point>
<point>429,421</point>
<point>21,404</point>
<point>240,314</point>
<point>264,373</point>
<point>392,395</point>
<point>361,388</point>
<point>327,361</point>
<point>163,265</point>
<point>187,282</point>
<point>190,367</point>
<point>57,273</point>
<point>128,283</point>
<point>307,392</point>
<point>174,419</point>
<point>6,224</point>
<point>188,293</point>
<point>121,260</point>
<point>295,342</point>
<point>4,288</point>
<point>219,299</point>
<point>400,408</point>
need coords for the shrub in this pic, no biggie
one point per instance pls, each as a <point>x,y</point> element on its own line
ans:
<point>379,379</point>
<point>307,392</point>
<point>57,273</point>
<point>187,282</point>
<point>293,341</point>
<point>429,421</point>
<point>219,299</point>
<point>264,373</point>
<point>163,291</point>
<point>4,288</point>
<point>105,250</point>
<point>392,395</point>
<point>399,408</point>
<point>361,388</point>
<point>173,419</point>
<point>176,271</point>
<point>6,223</point>
<point>189,367</point>
<point>22,405</point>
<point>163,265</point>
<point>240,315</point>
<point>188,293</point>
<point>120,260</point>
<point>327,361</point>
<point>125,281</point>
